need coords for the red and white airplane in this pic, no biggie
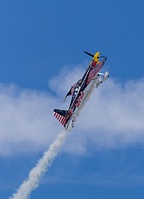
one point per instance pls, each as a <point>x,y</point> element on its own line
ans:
<point>82,90</point>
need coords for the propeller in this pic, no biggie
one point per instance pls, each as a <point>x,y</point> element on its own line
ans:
<point>93,55</point>
<point>89,54</point>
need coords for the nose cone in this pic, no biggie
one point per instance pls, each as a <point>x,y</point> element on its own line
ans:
<point>97,54</point>
<point>96,57</point>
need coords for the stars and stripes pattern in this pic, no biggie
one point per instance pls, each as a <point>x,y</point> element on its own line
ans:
<point>60,118</point>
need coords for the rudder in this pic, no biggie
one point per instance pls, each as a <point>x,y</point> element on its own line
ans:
<point>60,115</point>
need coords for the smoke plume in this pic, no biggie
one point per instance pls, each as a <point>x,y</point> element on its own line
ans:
<point>35,175</point>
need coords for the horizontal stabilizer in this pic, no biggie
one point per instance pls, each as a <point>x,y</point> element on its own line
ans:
<point>61,116</point>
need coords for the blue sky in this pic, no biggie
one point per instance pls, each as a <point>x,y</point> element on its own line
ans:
<point>41,55</point>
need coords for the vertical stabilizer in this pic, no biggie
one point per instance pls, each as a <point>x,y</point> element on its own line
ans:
<point>60,115</point>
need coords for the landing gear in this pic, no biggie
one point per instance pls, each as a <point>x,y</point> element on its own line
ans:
<point>72,123</point>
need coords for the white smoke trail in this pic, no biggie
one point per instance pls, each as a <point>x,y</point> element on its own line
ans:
<point>40,169</point>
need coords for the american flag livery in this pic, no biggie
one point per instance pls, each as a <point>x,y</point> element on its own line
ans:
<point>60,116</point>
<point>81,91</point>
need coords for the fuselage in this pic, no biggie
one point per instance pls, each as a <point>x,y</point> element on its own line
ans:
<point>83,92</point>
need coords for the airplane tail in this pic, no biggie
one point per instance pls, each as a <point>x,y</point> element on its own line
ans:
<point>61,115</point>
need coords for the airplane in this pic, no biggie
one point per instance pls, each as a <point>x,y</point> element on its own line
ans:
<point>82,90</point>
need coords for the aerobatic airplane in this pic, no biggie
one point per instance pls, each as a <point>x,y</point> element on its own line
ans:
<point>82,90</point>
